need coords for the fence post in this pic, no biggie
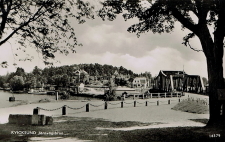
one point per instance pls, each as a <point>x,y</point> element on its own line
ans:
<point>165,94</point>
<point>133,97</point>
<point>134,103</point>
<point>179,99</point>
<point>168,102</point>
<point>64,110</point>
<point>122,104</point>
<point>106,105</point>
<point>56,95</point>
<point>157,103</point>
<point>36,111</point>
<point>87,107</point>
<point>177,94</point>
<point>143,96</point>
<point>158,95</point>
<point>146,103</point>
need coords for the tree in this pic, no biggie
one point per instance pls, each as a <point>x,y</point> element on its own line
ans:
<point>17,83</point>
<point>20,72</point>
<point>42,24</point>
<point>36,71</point>
<point>159,16</point>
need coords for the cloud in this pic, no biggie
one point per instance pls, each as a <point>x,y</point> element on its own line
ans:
<point>160,58</point>
<point>108,42</point>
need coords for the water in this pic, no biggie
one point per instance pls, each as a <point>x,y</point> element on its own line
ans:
<point>24,97</point>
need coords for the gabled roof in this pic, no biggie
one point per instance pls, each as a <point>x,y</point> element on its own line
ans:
<point>168,73</point>
<point>140,78</point>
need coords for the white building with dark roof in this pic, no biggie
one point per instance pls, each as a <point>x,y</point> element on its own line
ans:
<point>139,82</point>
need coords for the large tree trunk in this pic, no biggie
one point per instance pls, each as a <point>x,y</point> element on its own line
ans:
<point>216,81</point>
<point>214,55</point>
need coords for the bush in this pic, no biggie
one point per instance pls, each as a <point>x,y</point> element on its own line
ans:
<point>64,95</point>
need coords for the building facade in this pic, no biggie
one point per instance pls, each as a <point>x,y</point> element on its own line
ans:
<point>178,81</point>
<point>140,82</point>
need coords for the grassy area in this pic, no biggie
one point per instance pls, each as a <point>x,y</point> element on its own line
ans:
<point>192,106</point>
<point>85,129</point>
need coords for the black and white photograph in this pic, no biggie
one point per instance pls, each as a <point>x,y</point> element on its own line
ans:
<point>112,71</point>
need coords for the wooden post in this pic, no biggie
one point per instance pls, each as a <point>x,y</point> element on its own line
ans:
<point>134,103</point>
<point>168,101</point>
<point>146,103</point>
<point>57,95</point>
<point>36,111</point>
<point>133,97</point>
<point>87,107</point>
<point>122,104</point>
<point>106,105</point>
<point>157,103</point>
<point>64,110</point>
<point>179,99</point>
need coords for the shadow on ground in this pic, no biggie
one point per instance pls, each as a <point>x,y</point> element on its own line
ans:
<point>85,129</point>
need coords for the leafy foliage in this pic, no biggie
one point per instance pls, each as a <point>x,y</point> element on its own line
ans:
<point>159,16</point>
<point>17,83</point>
<point>42,24</point>
<point>64,75</point>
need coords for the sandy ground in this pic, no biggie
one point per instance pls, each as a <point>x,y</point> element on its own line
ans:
<point>141,113</point>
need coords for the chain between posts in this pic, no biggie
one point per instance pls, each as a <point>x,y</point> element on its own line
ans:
<point>76,108</point>
<point>141,103</point>
<point>201,101</point>
<point>114,104</point>
<point>128,103</point>
<point>96,105</point>
<point>49,109</point>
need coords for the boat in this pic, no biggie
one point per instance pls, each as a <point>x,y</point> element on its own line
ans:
<point>40,93</point>
<point>37,92</point>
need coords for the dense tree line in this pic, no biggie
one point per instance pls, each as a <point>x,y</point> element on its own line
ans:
<point>64,76</point>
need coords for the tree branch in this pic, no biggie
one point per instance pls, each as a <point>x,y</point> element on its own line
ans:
<point>184,21</point>
<point>33,18</point>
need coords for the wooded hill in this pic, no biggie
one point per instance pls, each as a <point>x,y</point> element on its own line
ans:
<point>63,75</point>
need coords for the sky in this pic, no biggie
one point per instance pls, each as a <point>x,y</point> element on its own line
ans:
<point>108,42</point>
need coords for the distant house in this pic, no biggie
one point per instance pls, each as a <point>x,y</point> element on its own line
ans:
<point>81,76</point>
<point>139,82</point>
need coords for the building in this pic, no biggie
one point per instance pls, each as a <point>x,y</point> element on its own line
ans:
<point>178,81</point>
<point>80,76</point>
<point>139,82</point>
